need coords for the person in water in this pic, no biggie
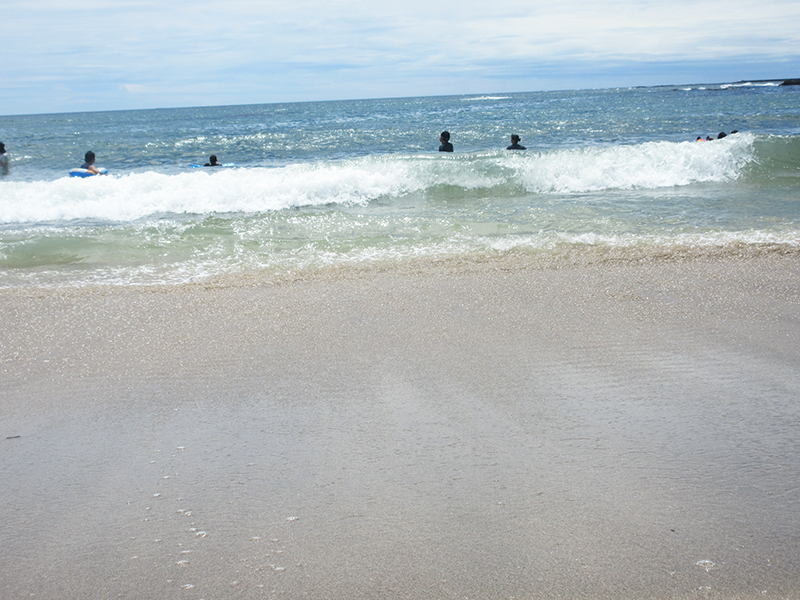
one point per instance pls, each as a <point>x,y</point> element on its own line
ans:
<point>515,145</point>
<point>212,161</point>
<point>445,140</point>
<point>3,159</point>
<point>89,159</point>
<point>721,135</point>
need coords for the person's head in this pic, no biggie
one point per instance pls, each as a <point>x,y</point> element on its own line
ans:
<point>445,137</point>
<point>213,159</point>
<point>734,131</point>
<point>89,158</point>
<point>514,138</point>
<point>721,135</point>
<point>700,139</point>
<point>2,148</point>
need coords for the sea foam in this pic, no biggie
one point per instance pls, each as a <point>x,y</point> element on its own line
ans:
<point>359,181</point>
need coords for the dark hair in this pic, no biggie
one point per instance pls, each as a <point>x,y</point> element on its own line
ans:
<point>446,136</point>
<point>89,157</point>
<point>2,147</point>
<point>514,137</point>
<point>213,158</point>
<point>721,135</point>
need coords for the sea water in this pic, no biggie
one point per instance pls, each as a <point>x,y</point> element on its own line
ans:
<point>607,174</point>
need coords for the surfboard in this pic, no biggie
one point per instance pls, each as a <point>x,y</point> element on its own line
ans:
<point>84,172</point>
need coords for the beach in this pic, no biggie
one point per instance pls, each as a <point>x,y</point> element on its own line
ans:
<point>486,429</point>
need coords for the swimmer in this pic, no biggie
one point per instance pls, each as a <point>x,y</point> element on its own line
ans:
<point>212,161</point>
<point>515,143</point>
<point>89,159</point>
<point>446,145</point>
<point>3,159</point>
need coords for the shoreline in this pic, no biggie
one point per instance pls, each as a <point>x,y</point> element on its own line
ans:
<point>565,256</point>
<point>489,430</point>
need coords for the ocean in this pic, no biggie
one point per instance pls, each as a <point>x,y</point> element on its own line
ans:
<point>612,174</point>
<point>565,372</point>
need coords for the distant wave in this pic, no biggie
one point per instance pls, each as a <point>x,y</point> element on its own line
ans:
<point>725,86</point>
<point>751,84</point>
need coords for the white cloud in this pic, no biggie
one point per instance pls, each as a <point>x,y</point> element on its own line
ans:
<point>135,88</point>
<point>243,51</point>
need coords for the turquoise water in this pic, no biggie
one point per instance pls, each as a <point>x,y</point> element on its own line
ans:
<point>607,173</point>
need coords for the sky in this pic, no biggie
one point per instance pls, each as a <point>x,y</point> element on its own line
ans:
<point>131,54</point>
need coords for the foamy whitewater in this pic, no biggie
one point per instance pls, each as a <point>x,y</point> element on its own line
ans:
<point>607,173</point>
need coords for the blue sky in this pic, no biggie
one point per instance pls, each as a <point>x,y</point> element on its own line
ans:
<point>130,54</point>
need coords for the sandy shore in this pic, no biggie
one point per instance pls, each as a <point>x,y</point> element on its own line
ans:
<point>612,431</point>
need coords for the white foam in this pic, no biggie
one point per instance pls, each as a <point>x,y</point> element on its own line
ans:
<point>130,197</point>
<point>650,165</point>
<point>126,198</point>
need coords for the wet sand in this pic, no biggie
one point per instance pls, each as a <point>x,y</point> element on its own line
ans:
<point>489,431</point>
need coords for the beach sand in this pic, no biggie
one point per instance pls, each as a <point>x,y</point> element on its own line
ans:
<point>491,430</point>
